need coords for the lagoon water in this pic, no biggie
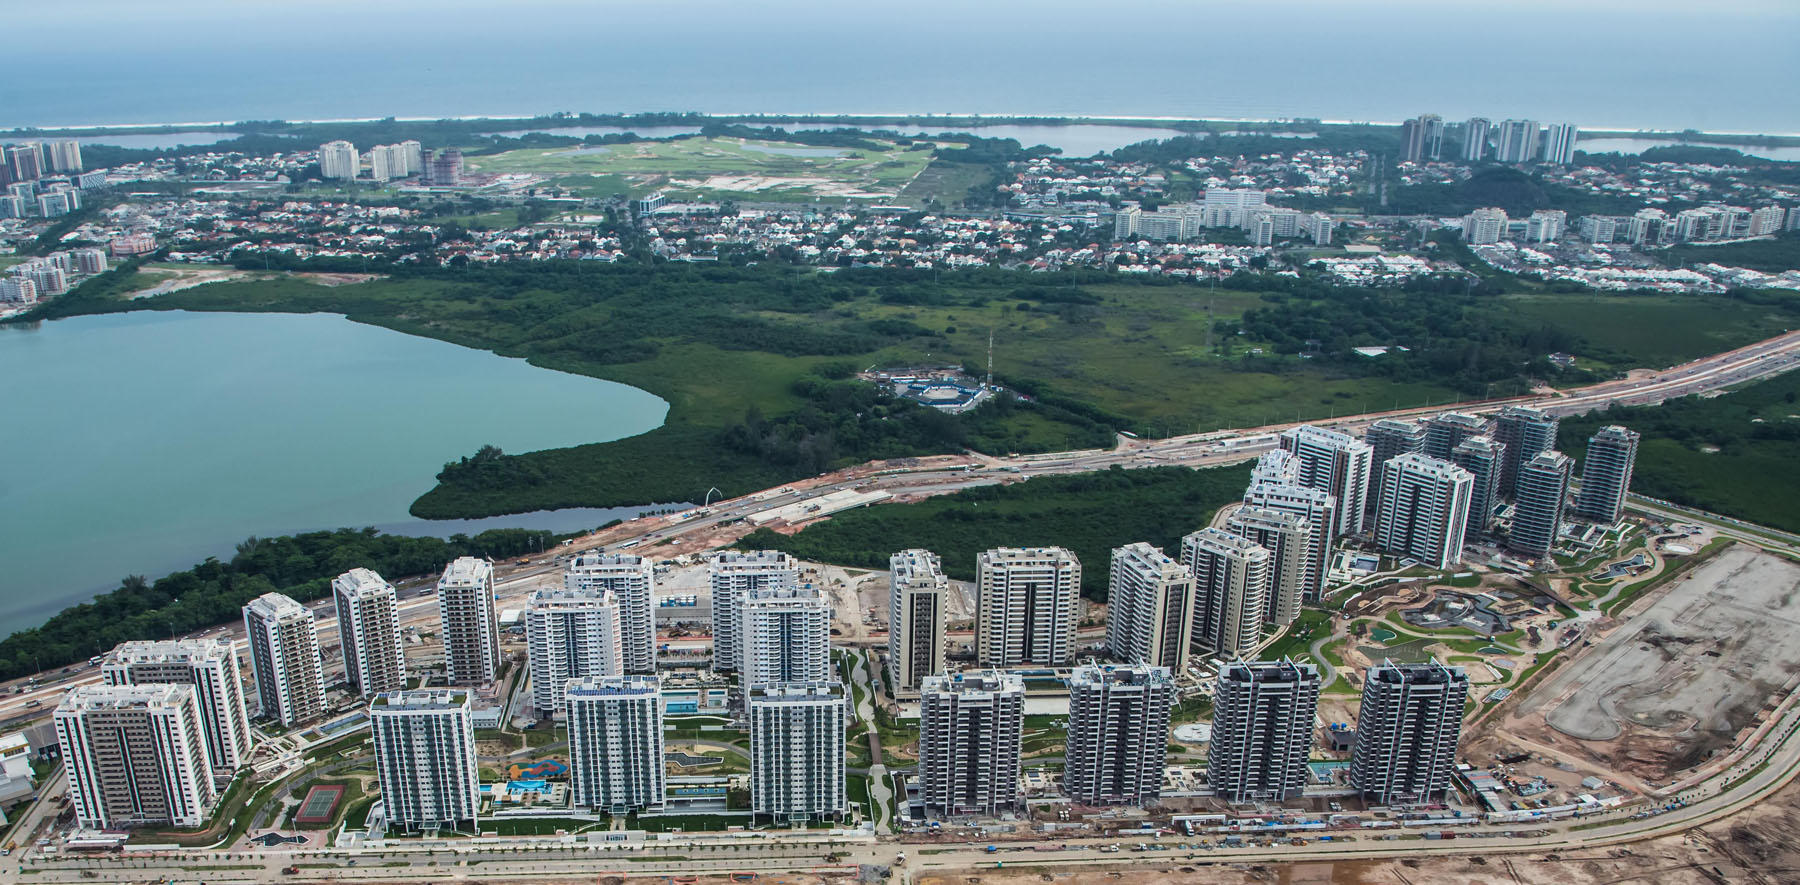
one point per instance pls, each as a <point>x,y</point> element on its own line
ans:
<point>141,443</point>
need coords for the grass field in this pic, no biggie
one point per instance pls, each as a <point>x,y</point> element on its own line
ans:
<point>721,168</point>
<point>1654,330</point>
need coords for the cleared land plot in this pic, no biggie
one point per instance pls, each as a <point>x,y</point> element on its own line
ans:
<point>721,168</point>
<point>1696,666</point>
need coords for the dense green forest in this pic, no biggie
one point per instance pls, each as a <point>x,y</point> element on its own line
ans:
<point>1089,513</point>
<point>213,592</point>
<point>1736,454</point>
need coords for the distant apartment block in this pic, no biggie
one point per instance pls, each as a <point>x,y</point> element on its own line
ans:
<point>338,160</point>
<point>1538,504</point>
<point>1149,604</point>
<point>797,761</point>
<point>632,581</point>
<point>467,623</point>
<point>1026,602</point>
<point>135,756</point>
<point>1118,734</point>
<point>1263,714</point>
<point>616,743</point>
<point>1516,141</point>
<point>65,155</point>
<point>1336,463</point>
<point>1481,456</point>
<point>971,726</point>
<point>916,591</point>
<point>1524,432</point>
<point>1407,731</point>
<point>211,667</point>
<point>1476,133</point>
<point>570,634</point>
<point>1289,539</point>
<point>784,635</point>
<point>1318,508</point>
<point>425,759</point>
<point>284,655</point>
<point>1484,227</point>
<point>732,575</point>
<point>1386,438</point>
<point>1606,474</point>
<point>1559,143</point>
<point>1446,430</point>
<point>1422,139</point>
<point>1424,509</point>
<point>368,617</point>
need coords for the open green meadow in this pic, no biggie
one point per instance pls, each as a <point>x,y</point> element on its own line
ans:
<point>1655,330</point>
<point>721,168</point>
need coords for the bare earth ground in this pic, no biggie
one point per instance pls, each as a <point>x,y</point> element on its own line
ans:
<point>1683,678</point>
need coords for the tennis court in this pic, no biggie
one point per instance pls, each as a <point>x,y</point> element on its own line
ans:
<point>319,803</point>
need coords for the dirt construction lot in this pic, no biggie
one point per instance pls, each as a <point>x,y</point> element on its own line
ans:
<point>1684,676</point>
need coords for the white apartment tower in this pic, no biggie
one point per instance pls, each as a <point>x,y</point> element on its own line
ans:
<point>1231,586</point>
<point>1482,457</point>
<point>732,575</point>
<point>135,756</point>
<point>971,726</point>
<point>616,743</point>
<point>1118,734</point>
<point>1485,226</point>
<point>916,590</point>
<point>368,613</point>
<point>569,634</point>
<point>632,581</point>
<point>1026,601</point>
<point>1407,731</point>
<point>468,626</point>
<point>1525,432</point>
<point>284,655</point>
<point>1538,506</point>
<point>1516,141</point>
<point>1289,539</point>
<point>1559,143</point>
<point>425,759</point>
<point>1475,139</point>
<point>784,635</point>
<point>211,667</point>
<point>338,160</point>
<point>797,756</point>
<point>1424,509</point>
<point>1336,463</point>
<point>1149,603</point>
<point>1606,474</point>
<point>1318,508</point>
<point>1263,714</point>
<point>1445,430</point>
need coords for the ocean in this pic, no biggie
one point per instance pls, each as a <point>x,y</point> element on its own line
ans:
<point>1605,64</point>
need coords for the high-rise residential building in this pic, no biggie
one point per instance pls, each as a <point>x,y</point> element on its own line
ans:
<point>1318,509</point>
<point>1275,467</point>
<point>89,261</point>
<point>1538,503</point>
<point>1262,734</point>
<point>1231,586</point>
<point>27,161</point>
<point>797,761</point>
<point>1606,474</point>
<point>1289,539</point>
<point>425,759</point>
<point>1407,731</point>
<point>1118,734</point>
<point>971,728</point>
<point>19,290</point>
<point>1525,432</point>
<point>135,755</point>
<point>284,655</point>
<point>616,743</point>
<point>368,617</point>
<point>1386,438</point>
<point>1546,225</point>
<point>1559,143</point>
<point>1650,227</point>
<point>385,162</point>
<point>632,581</point>
<point>1026,602</point>
<point>916,591</point>
<point>65,155</point>
<point>1445,430</point>
<point>338,160</point>
<point>732,575</point>
<point>414,155</point>
<point>1337,463</point>
<point>784,636</point>
<point>1516,141</point>
<point>1766,220</point>
<point>570,634</point>
<point>1424,509</point>
<point>1475,139</point>
<point>1422,139</point>
<point>1149,603</point>
<point>1484,227</point>
<point>211,667</point>
<point>468,626</point>
<point>1481,456</point>
<point>445,168</point>
<point>52,204</point>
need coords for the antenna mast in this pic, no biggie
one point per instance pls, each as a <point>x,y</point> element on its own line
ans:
<point>990,372</point>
